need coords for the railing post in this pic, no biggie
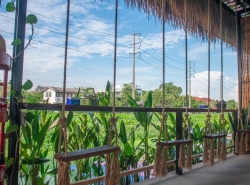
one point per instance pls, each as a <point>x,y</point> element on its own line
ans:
<point>178,137</point>
<point>235,119</point>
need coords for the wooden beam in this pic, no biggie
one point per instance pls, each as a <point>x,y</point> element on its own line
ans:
<point>58,107</point>
<point>214,136</point>
<point>225,7</point>
<point>174,143</point>
<point>86,153</point>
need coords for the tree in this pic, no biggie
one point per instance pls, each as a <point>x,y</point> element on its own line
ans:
<point>172,95</point>
<point>39,88</point>
<point>231,104</point>
<point>127,90</point>
<point>32,96</point>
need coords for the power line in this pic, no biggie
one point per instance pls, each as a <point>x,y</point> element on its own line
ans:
<point>68,48</point>
<point>101,42</point>
<point>204,84</point>
<point>71,35</point>
<point>7,17</point>
<point>159,68</point>
<point>148,63</point>
<point>104,33</point>
<point>160,60</point>
<point>77,49</point>
<point>161,53</point>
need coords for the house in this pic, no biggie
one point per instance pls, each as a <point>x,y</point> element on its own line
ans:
<point>203,99</point>
<point>55,94</point>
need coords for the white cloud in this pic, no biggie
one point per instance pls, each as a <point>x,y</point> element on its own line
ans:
<point>199,86</point>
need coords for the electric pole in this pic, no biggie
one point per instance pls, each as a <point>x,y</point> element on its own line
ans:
<point>133,63</point>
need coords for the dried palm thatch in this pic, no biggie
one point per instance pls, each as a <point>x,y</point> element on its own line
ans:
<point>196,17</point>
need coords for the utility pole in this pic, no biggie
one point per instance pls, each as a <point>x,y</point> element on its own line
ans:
<point>133,63</point>
<point>189,81</point>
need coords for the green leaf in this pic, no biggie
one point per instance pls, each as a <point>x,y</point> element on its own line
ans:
<point>9,163</point>
<point>10,7</point>
<point>39,181</point>
<point>26,146</point>
<point>29,117</point>
<point>123,134</point>
<point>12,128</point>
<point>25,154</point>
<point>52,172</point>
<point>13,93</point>
<point>172,118</point>
<point>148,102</point>
<point>16,42</point>
<point>27,85</point>
<point>69,118</point>
<point>128,149</point>
<point>132,138</point>
<point>43,132</point>
<point>26,130</point>
<point>35,125</point>
<point>31,19</point>
<point>35,161</point>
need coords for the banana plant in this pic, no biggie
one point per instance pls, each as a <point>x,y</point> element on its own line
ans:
<point>197,137</point>
<point>33,153</point>
<point>81,137</point>
<point>144,119</point>
<point>130,153</point>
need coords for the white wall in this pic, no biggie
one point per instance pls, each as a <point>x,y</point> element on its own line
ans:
<point>52,94</point>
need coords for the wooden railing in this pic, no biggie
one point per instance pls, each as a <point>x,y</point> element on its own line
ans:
<point>130,172</point>
<point>179,119</point>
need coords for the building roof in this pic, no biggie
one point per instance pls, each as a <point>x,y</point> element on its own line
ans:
<point>203,99</point>
<point>60,89</point>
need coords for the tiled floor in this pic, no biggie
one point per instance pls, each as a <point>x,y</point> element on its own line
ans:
<point>234,171</point>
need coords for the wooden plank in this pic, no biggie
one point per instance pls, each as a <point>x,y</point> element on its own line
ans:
<point>86,153</point>
<point>244,131</point>
<point>213,136</point>
<point>174,143</point>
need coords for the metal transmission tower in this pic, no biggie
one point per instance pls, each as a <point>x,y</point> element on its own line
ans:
<point>133,64</point>
<point>191,64</point>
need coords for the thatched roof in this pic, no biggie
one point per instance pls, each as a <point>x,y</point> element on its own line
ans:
<point>197,20</point>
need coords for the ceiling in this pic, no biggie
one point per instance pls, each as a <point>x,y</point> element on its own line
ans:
<point>242,7</point>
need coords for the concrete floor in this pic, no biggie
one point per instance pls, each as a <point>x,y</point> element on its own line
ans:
<point>234,171</point>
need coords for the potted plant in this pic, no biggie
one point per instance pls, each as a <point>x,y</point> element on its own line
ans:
<point>218,104</point>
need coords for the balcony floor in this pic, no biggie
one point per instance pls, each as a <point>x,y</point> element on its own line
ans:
<point>234,171</point>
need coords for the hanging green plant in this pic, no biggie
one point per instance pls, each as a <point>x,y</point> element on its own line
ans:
<point>16,42</point>
<point>27,85</point>
<point>31,19</point>
<point>10,7</point>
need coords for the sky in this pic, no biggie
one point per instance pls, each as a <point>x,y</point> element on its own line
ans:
<point>91,48</point>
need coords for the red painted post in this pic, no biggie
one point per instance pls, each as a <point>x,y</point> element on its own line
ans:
<point>5,65</point>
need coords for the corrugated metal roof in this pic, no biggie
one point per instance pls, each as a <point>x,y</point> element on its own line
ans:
<point>60,89</point>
